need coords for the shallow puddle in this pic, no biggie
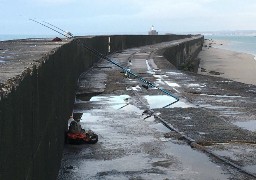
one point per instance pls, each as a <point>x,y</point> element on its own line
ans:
<point>248,125</point>
<point>115,102</point>
<point>196,85</point>
<point>251,168</point>
<point>171,84</point>
<point>160,127</point>
<point>174,73</point>
<point>136,88</point>
<point>220,96</point>
<point>159,101</point>
<point>197,164</point>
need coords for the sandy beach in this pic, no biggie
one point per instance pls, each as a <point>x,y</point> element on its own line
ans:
<point>232,65</point>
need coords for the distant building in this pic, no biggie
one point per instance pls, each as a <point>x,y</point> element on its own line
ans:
<point>152,31</point>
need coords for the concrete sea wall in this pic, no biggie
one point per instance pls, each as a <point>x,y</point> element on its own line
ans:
<point>35,108</point>
<point>184,54</point>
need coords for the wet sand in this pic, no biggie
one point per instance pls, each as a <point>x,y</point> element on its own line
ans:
<point>240,67</point>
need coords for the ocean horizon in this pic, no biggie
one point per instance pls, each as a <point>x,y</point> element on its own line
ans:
<point>243,44</point>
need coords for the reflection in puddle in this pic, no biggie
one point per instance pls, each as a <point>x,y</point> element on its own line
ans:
<point>160,127</point>
<point>115,102</point>
<point>88,117</point>
<point>132,108</point>
<point>251,168</point>
<point>196,85</point>
<point>160,76</point>
<point>110,99</point>
<point>171,84</point>
<point>136,88</point>
<point>196,163</point>
<point>174,73</point>
<point>159,101</point>
<point>209,106</point>
<point>249,125</point>
<point>1,61</point>
<point>221,96</point>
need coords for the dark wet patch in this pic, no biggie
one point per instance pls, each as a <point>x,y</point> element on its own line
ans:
<point>173,135</point>
<point>129,173</point>
<point>165,163</point>
<point>215,73</point>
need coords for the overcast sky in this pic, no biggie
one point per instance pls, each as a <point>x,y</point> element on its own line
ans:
<point>84,17</point>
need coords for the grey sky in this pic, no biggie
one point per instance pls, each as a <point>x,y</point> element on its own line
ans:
<point>127,16</point>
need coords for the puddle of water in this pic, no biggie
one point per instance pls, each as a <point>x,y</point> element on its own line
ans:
<point>171,84</point>
<point>160,127</point>
<point>221,96</point>
<point>148,67</point>
<point>159,101</point>
<point>202,133</point>
<point>110,99</point>
<point>174,73</point>
<point>189,125</point>
<point>209,106</point>
<point>248,125</point>
<point>149,119</point>
<point>160,76</point>
<point>196,164</point>
<point>224,100</point>
<point>251,168</point>
<point>1,61</point>
<point>87,117</point>
<point>114,102</point>
<point>132,108</point>
<point>151,72</point>
<point>136,88</point>
<point>196,85</point>
<point>142,54</point>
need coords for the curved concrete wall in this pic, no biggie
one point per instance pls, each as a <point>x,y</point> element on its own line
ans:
<point>33,115</point>
<point>184,54</point>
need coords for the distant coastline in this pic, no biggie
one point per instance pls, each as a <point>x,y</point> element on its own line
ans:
<point>6,37</point>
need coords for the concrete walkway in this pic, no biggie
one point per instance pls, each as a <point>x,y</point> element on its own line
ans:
<point>134,144</point>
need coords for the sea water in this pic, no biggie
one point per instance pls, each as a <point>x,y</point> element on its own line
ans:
<point>5,37</point>
<point>244,44</point>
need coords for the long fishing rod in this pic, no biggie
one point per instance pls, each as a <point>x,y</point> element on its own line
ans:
<point>52,29</point>
<point>68,33</point>
<point>101,56</point>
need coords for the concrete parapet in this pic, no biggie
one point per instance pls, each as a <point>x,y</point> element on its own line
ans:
<point>183,55</point>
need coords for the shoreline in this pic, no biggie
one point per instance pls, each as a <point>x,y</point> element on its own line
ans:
<point>220,62</point>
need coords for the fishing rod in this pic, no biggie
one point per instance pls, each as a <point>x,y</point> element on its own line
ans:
<point>68,33</point>
<point>101,56</point>
<point>70,36</point>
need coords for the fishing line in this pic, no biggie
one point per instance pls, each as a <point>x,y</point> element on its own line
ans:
<point>101,56</point>
<point>50,28</point>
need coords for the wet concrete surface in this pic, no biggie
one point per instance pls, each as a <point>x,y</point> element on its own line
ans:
<point>134,144</point>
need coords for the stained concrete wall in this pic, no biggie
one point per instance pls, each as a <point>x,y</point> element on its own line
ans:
<point>33,115</point>
<point>184,54</point>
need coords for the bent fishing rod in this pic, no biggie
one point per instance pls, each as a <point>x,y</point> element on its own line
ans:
<point>101,56</point>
